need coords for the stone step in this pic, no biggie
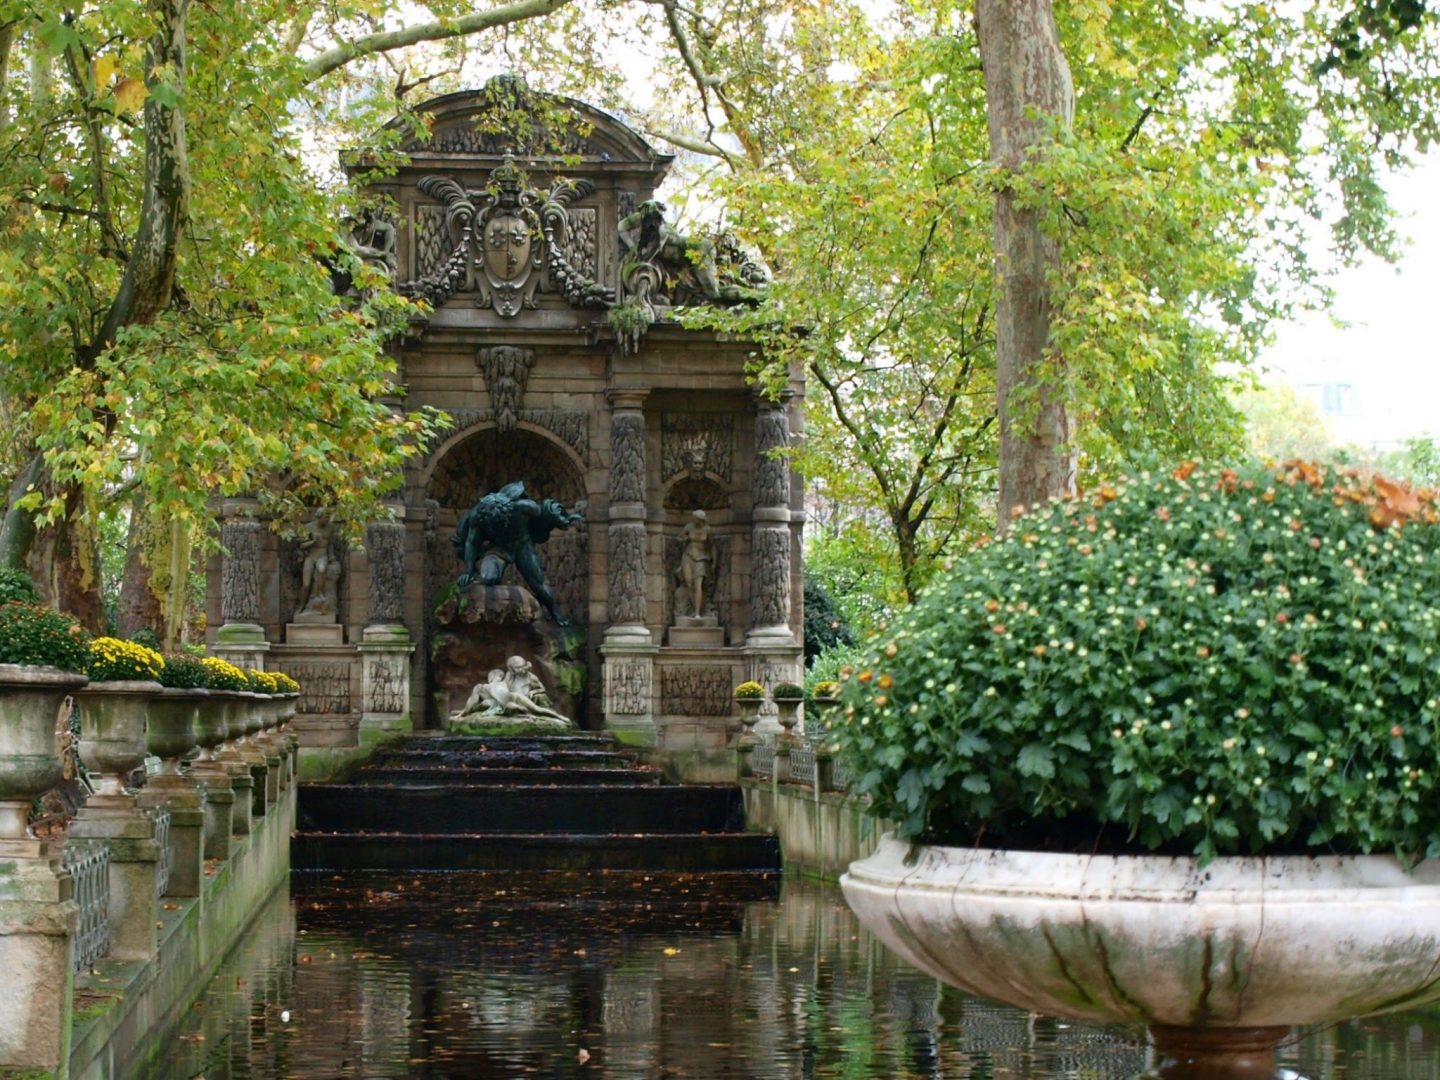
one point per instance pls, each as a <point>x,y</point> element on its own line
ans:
<point>462,808</point>
<point>400,775</point>
<point>656,852</point>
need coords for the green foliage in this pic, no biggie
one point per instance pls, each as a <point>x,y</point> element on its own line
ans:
<point>1418,461</point>
<point>16,585</point>
<point>31,634</point>
<point>1280,424</point>
<point>184,672</point>
<point>788,691</point>
<point>824,628</point>
<point>830,663</point>
<point>1208,661</point>
<point>114,659</point>
<point>147,637</point>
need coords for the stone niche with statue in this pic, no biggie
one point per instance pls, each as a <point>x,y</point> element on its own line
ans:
<point>528,223</point>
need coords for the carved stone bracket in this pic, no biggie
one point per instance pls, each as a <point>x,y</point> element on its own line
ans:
<point>507,370</point>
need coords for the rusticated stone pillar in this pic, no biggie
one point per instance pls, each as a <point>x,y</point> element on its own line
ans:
<point>628,649</point>
<point>773,654</point>
<point>386,646</point>
<point>627,537</point>
<point>770,547</point>
<point>241,638</point>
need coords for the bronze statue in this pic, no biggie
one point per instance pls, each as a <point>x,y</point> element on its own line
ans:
<point>503,528</point>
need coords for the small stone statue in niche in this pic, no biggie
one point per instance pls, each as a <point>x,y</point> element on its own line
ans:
<point>697,563</point>
<point>504,527</point>
<point>319,575</point>
<point>514,692</point>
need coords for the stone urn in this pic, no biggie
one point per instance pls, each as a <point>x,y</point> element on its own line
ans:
<point>1219,961</point>
<point>172,725</point>
<point>112,729</point>
<point>787,711</point>
<point>30,703</point>
<point>749,717</point>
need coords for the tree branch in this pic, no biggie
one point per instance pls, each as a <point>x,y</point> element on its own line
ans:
<point>696,145</point>
<point>342,54</point>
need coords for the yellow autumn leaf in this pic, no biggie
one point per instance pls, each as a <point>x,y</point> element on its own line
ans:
<point>130,94</point>
<point>105,67</point>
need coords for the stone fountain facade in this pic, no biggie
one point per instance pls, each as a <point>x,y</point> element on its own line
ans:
<point>551,274</point>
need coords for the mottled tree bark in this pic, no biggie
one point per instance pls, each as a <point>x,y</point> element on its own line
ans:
<point>138,608</point>
<point>1027,88</point>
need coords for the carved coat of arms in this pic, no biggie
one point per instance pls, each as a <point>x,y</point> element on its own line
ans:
<point>501,241</point>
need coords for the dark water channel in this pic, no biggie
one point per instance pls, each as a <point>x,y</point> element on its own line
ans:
<point>473,975</point>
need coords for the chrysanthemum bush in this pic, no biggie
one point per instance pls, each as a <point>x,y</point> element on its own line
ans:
<point>1208,661</point>
<point>223,675</point>
<point>32,634</point>
<point>115,659</point>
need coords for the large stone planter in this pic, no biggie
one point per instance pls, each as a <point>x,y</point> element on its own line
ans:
<point>1219,961</point>
<point>30,701</point>
<point>112,729</point>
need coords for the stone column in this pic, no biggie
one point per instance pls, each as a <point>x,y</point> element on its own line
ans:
<point>770,647</point>
<point>184,800</point>
<point>770,570</point>
<point>241,638</point>
<point>385,646</point>
<point>628,649</point>
<point>129,833</point>
<point>38,917</point>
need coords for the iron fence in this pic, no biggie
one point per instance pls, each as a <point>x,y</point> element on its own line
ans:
<point>89,867</point>
<point>161,817</point>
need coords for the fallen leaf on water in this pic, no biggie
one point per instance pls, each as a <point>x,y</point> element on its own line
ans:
<point>671,951</point>
<point>583,1056</point>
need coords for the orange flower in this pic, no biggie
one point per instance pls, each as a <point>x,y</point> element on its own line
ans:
<point>885,682</point>
<point>866,676</point>
<point>1163,513</point>
<point>1184,471</point>
<point>999,628</point>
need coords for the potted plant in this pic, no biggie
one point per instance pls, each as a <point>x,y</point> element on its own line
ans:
<point>788,696</point>
<point>749,695</point>
<point>42,660</point>
<point>171,722</point>
<point>1192,719</point>
<point>124,676</point>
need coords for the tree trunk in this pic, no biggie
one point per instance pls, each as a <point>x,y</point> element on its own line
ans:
<point>139,607</point>
<point>1027,87</point>
<point>64,563</point>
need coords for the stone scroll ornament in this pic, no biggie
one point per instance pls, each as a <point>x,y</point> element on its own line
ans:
<point>505,527</point>
<point>500,241</point>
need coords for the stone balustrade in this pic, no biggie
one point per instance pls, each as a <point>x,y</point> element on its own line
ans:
<point>120,906</point>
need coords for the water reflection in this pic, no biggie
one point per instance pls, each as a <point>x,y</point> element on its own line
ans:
<point>479,976</point>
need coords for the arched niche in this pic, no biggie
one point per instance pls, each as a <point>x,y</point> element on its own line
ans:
<point>485,460</point>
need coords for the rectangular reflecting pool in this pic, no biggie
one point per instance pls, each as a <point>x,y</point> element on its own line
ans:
<point>628,975</point>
